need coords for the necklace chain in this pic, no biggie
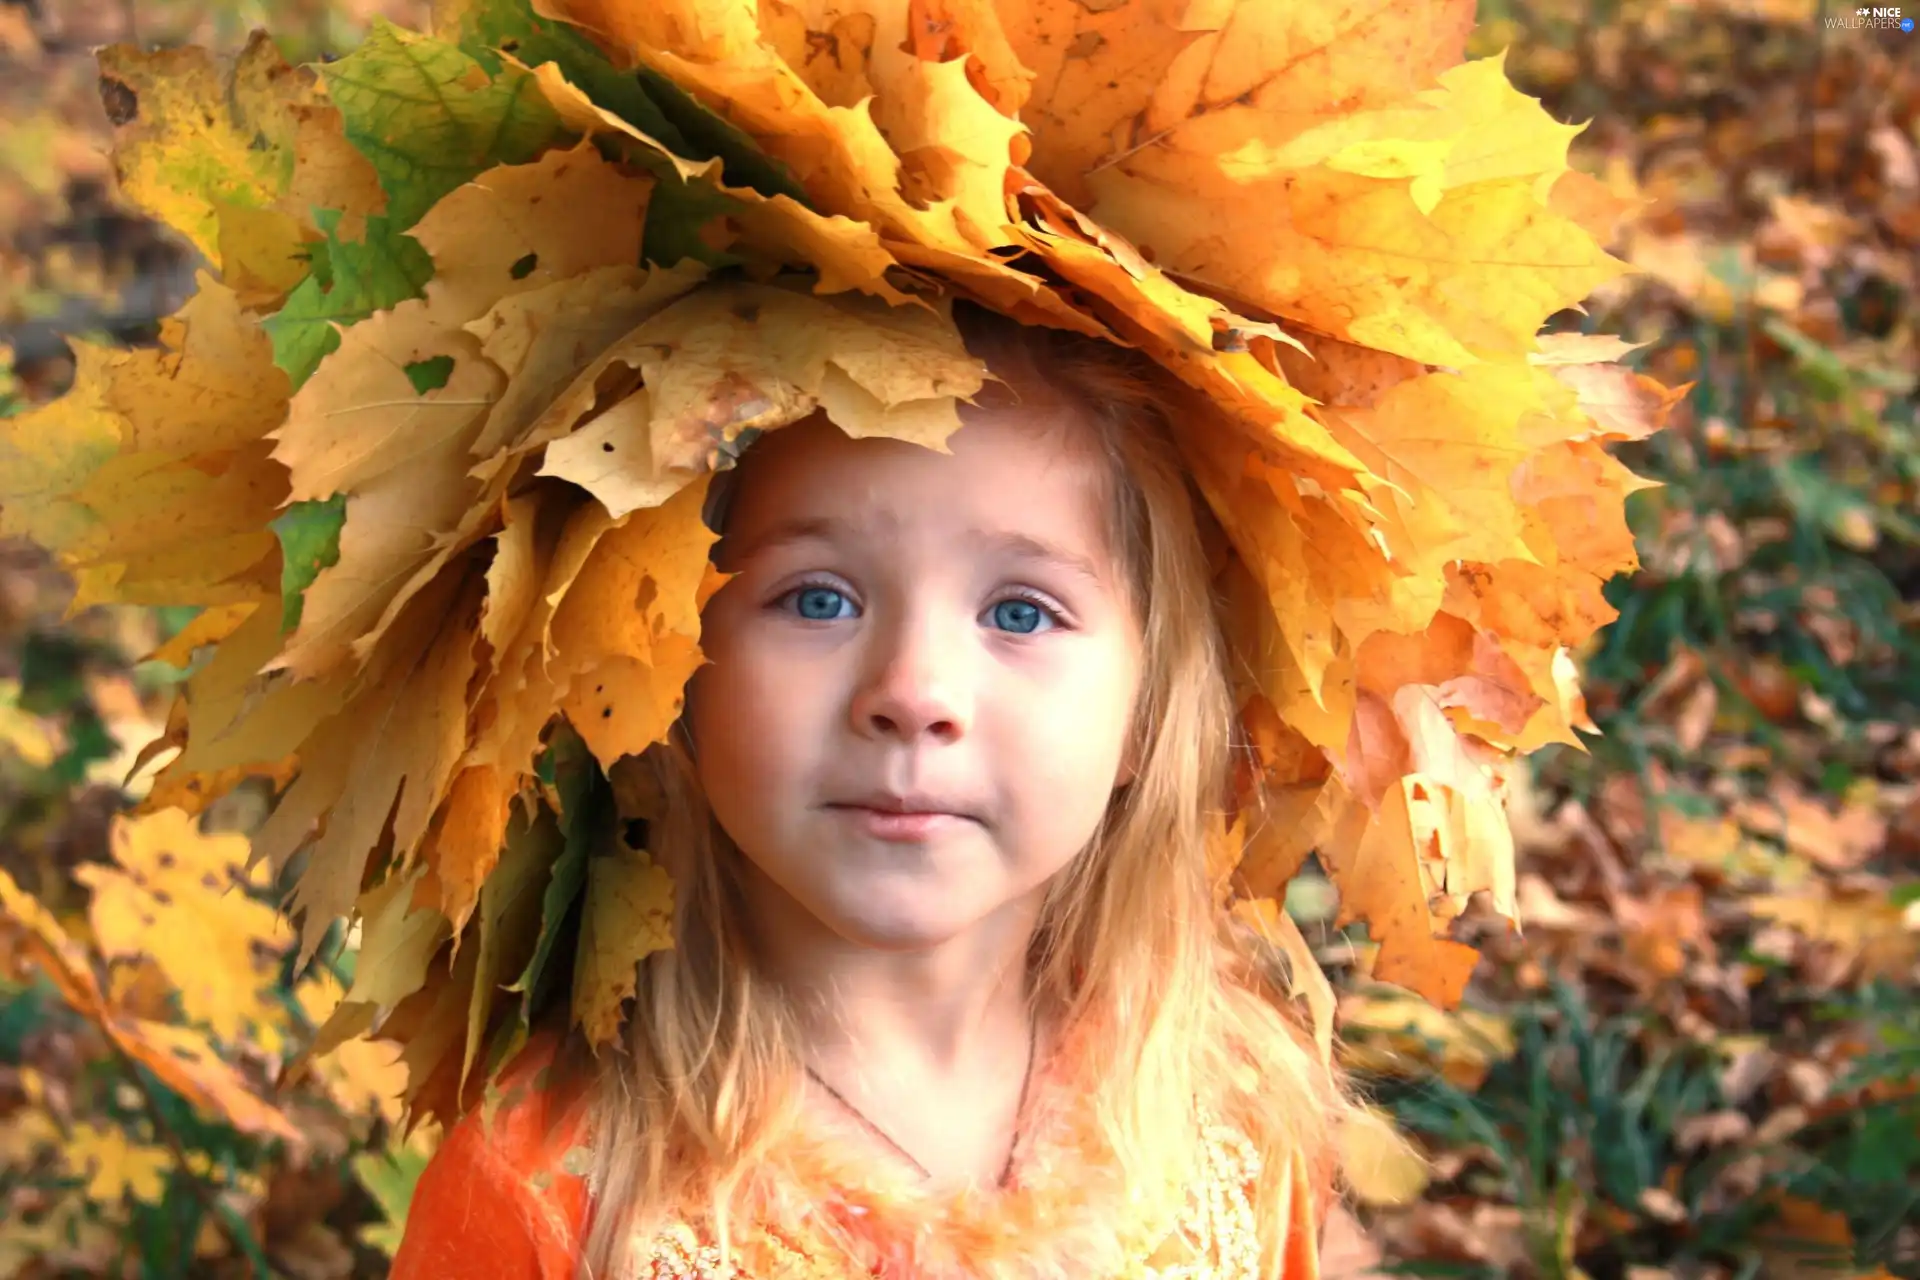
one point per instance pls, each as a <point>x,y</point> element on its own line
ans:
<point>1006,1170</point>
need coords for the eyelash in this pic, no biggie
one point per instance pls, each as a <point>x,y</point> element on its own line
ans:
<point>1055,615</point>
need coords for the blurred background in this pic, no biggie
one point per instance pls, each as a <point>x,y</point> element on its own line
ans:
<point>1701,1060</point>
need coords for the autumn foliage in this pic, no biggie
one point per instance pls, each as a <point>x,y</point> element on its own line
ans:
<point>428,449</point>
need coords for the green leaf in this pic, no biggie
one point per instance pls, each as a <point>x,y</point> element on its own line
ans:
<point>390,1178</point>
<point>675,216</point>
<point>430,118</point>
<point>431,374</point>
<point>647,100</point>
<point>745,164</point>
<point>363,276</point>
<point>486,28</point>
<point>309,535</point>
<point>583,798</point>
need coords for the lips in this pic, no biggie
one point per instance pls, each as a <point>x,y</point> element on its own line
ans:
<point>916,802</point>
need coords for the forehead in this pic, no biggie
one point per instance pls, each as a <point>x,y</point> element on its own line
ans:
<point>1037,470</point>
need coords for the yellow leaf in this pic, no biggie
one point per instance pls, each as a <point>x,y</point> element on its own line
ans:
<point>178,1056</point>
<point>1391,1033</point>
<point>210,626</point>
<point>1376,1161</point>
<point>401,737</point>
<point>263,254</point>
<point>29,1130</point>
<point>1111,81</point>
<point>517,228</point>
<point>629,917</point>
<point>1473,127</point>
<point>153,476</point>
<point>362,1076</point>
<point>196,136</point>
<point>841,154</point>
<point>180,896</point>
<point>846,252</point>
<point>752,358</point>
<point>467,838</point>
<point>114,1166</point>
<point>21,732</point>
<point>627,665</point>
<point>183,144</point>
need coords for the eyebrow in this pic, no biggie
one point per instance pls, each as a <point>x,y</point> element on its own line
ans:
<point>1009,542</point>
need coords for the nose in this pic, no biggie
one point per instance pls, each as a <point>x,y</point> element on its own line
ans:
<point>915,684</point>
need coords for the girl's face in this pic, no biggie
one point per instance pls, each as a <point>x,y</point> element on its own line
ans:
<point>949,635</point>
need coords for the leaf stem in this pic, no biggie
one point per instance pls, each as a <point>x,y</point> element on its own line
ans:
<point>201,1191</point>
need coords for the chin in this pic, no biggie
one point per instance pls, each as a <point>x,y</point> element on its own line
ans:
<point>898,933</point>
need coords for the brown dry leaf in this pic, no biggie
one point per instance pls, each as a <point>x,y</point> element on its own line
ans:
<point>1621,404</point>
<point>360,427</point>
<point>1663,927</point>
<point>542,340</point>
<point>401,738</point>
<point>1835,842</point>
<point>1804,1239</point>
<point>1864,927</point>
<point>1720,846</point>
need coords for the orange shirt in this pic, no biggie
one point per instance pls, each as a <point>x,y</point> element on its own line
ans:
<point>498,1202</point>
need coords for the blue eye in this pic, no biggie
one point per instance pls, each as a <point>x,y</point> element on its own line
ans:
<point>819,604</point>
<point>1020,616</point>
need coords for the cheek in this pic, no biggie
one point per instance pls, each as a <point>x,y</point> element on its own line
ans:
<point>1071,734</point>
<point>750,735</point>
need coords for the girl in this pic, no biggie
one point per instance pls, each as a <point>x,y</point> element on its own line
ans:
<point>949,994</point>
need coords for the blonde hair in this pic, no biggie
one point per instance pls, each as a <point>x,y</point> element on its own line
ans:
<point>1130,949</point>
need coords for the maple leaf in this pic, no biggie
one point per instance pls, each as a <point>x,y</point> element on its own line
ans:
<point>115,1166</point>
<point>151,484</point>
<point>178,1056</point>
<point>180,897</point>
<point>629,916</point>
<point>361,1075</point>
<point>234,155</point>
<point>542,279</point>
<point>428,118</point>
